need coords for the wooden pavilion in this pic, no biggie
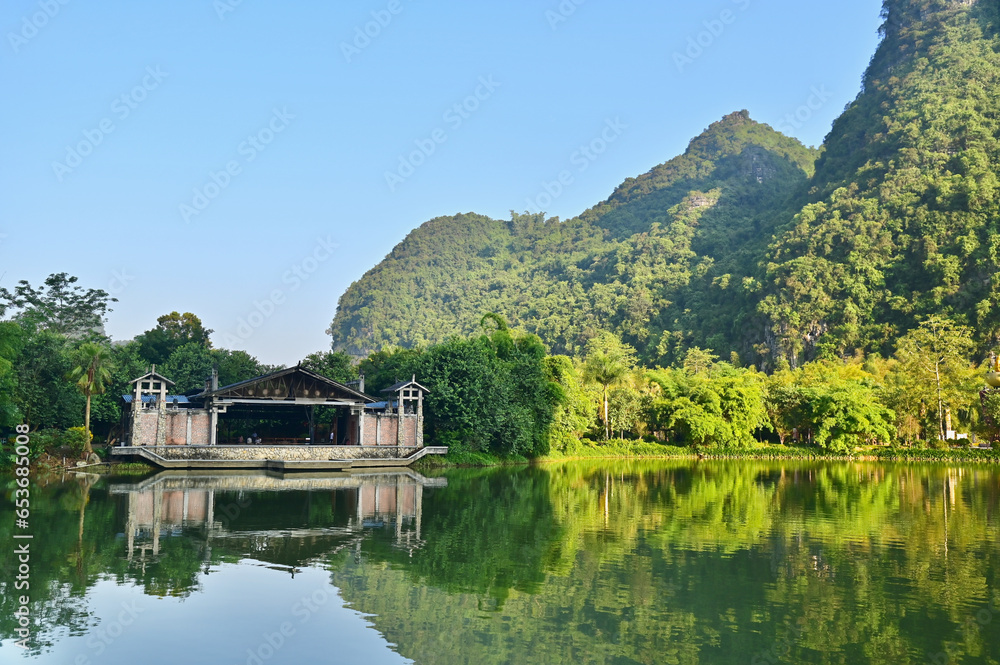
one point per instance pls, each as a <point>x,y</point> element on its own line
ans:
<point>309,419</point>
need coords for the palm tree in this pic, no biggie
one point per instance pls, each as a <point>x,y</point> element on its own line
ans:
<point>91,376</point>
<point>608,362</point>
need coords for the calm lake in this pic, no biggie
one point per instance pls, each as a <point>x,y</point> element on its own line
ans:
<point>606,562</point>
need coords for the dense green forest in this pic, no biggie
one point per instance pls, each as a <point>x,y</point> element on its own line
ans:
<point>748,242</point>
<point>502,392</point>
<point>653,260</point>
<point>58,369</point>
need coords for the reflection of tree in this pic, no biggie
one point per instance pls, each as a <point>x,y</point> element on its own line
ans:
<point>63,565</point>
<point>632,562</point>
<point>655,562</point>
<point>487,532</point>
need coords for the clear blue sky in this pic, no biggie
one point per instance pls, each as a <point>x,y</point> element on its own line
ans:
<point>115,113</point>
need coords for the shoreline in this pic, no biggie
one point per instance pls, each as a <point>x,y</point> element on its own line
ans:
<point>636,451</point>
<point>644,451</point>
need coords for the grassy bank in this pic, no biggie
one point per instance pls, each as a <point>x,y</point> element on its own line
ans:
<point>645,450</point>
<point>460,458</point>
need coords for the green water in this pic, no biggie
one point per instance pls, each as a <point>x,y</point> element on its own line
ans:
<point>606,562</point>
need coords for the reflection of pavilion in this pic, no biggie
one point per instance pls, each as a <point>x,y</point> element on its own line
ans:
<point>218,506</point>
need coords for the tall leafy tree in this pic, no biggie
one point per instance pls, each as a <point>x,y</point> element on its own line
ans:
<point>831,403</point>
<point>236,366</point>
<point>58,306</point>
<point>91,376</point>
<point>42,394</point>
<point>188,367</point>
<point>11,341</point>
<point>609,360</point>
<point>106,409</point>
<point>717,405</point>
<point>937,354</point>
<point>335,365</point>
<point>173,331</point>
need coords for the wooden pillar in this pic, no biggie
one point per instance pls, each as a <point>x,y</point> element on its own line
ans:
<point>399,418</point>
<point>361,426</point>
<point>312,424</point>
<point>213,426</point>
<point>418,435</point>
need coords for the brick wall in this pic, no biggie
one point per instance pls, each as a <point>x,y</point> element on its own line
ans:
<point>176,424</point>
<point>371,429</point>
<point>409,431</point>
<point>201,428</point>
<point>175,427</point>
<point>388,430</point>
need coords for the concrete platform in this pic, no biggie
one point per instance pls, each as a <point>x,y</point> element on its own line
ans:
<point>276,459</point>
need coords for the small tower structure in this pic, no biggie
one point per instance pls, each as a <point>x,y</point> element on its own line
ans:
<point>154,387</point>
<point>409,406</point>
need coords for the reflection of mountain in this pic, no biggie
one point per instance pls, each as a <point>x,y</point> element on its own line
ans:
<point>603,562</point>
<point>267,514</point>
<point>674,562</point>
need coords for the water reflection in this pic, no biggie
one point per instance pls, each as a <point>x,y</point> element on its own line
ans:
<point>237,510</point>
<point>609,562</point>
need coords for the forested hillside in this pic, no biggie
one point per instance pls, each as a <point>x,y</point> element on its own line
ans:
<point>902,217</point>
<point>749,241</point>
<point>653,262</point>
